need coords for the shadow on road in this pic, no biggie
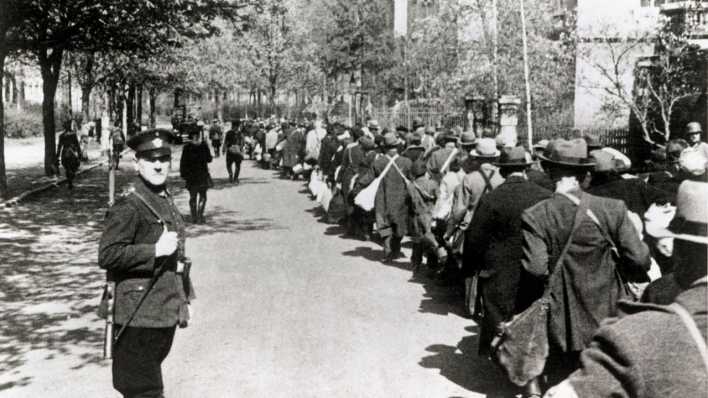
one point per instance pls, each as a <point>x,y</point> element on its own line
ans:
<point>461,365</point>
<point>49,280</point>
<point>220,220</point>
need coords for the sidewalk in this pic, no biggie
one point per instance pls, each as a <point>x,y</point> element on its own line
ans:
<point>24,163</point>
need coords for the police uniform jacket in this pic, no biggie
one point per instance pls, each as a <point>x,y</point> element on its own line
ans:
<point>127,253</point>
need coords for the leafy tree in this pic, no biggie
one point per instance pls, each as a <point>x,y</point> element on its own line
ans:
<point>11,13</point>
<point>49,29</point>
<point>647,71</point>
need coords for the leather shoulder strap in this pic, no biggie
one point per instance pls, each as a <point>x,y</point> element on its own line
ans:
<point>149,206</point>
<point>692,329</point>
<point>582,208</point>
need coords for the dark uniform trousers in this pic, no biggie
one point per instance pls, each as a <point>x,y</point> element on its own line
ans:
<point>137,361</point>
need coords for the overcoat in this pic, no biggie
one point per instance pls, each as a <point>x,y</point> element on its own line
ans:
<point>493,244</point>
<point>294,151</point>
<point>392,204</point>
<point>193,165</point>
<point>588,288</point>
<point>647,353</point>
<point>351,159</point>
<point>127,252</point>
<point>327,151</point>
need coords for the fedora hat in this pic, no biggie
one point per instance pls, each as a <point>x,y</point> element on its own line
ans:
<point>691,220</point>
<point>693,128</point>
<point>516,157</point>
<point>390,140</point>
<point>568,153</point>
<point>468,139</point>
<point>486,148</point>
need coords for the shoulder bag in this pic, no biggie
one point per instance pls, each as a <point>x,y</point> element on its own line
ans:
<point>366,199</point>
<point>521,346</point>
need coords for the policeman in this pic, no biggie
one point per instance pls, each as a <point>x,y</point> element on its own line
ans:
<point>142,251</point>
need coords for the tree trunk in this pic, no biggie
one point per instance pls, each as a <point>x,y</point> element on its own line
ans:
<point>3,175</point>
<point>139,108</point>
<point>219,105</point>
<point>50,65</point>
<point>86,102</point>
<point>152,93</point>
<point>68,110</point>
<point>129,104</point>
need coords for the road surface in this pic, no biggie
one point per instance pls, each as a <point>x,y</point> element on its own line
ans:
<point>285,306</point>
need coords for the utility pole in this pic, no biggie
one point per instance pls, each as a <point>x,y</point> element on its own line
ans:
<point>529,119</point>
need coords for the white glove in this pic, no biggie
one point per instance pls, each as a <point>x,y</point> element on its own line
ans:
<point>167,244</point>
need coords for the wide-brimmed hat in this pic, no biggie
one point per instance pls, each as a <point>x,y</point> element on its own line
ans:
<point>429,130</point>
<point>568,153</point>
<point>604,161</point>
<point>373,124</point>
<point>623,162</point>
<point>516,157</point>
<point>367,143</point>
<point>486,148</point>
<point>448,137</point>
<point>693,128</point>
<point>691,220</point>
<point>468,139</point>
<point>390,140</point>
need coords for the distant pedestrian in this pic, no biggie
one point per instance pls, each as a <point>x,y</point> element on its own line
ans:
<point>118,145</point>
<point>233,149</point>
<point>215,135</point>
<point>69,151</point>
<point>392,208</point>
<point>194,169</point>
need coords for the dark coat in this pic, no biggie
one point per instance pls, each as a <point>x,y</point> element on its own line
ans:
<point>127,252</point>
<point>635,193</point>
<point>494,245</point>
<point>646,353</point>
<point>329,148</point>
<point>233,138</point>
<point>351,158</point>
<point>588,288</point>
<point>392,205</point>
<point>193,166</point>
<point>541,179</point>
<point>69,151</point>
<point>294,150</point>
<point>423,194</point>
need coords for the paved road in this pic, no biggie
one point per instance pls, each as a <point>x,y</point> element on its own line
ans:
<point>285,308</point>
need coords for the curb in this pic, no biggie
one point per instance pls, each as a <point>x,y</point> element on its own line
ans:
<point>15,200</point>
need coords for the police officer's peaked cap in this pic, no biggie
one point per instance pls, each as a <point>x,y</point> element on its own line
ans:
<point>152,143</point>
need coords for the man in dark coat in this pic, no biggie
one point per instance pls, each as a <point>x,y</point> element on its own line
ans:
<point>142,250</point>
<point>233,149</point>
<point>351,159</point>
<point>493,245</point>
<point>589,287</point>
<point>294,151</point>
<point>649,352</point>
<point>330,144</point>
<point>392,205</point>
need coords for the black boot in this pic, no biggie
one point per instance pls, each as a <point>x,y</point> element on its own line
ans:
<point>193,212</point>
<point>200,213</point>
